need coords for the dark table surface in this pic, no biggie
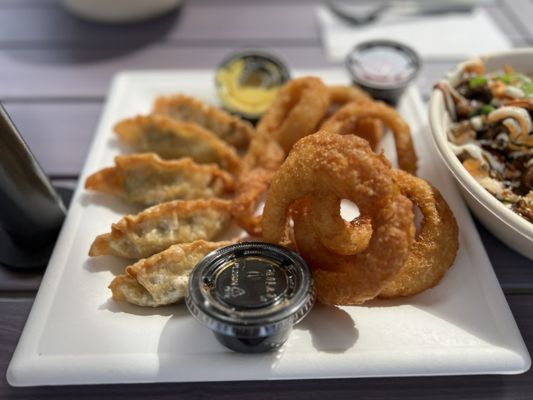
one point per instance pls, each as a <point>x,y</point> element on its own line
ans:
<point>55,73</point>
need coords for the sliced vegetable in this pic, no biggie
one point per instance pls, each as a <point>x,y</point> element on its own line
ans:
<point>522,77</point>
<point>487,109</point>
<point>506,78</point>
<point>527,88</point>
<point>477,81</point>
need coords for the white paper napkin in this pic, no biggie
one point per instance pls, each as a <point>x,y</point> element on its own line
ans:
<point>437,36</point>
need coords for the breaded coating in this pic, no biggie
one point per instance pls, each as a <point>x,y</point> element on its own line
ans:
<point>156,228</point>
<point>162,278</point>
<point>174,139</point>
<point>229,128</point>
<point>147,179</point>
<point>435,247</point>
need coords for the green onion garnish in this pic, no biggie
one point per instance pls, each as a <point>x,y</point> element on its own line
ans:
<point>523,78</point>
<point>487,109</point>
<point>477,81</point>
<point>505,78</point>
<point>527,88</point>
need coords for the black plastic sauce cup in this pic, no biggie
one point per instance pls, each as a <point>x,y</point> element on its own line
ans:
<point>251,294</point>
<point>383,68</point>
<point>273,72</point>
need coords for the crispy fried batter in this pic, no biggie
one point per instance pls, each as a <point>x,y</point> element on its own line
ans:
<point>162,278</point>
<point>158,227</point>
<point>174,139</point>
<point>339,95</point>
<point>340,236</point>
<point>370,129</point>
<point>263,157</point>
<point>354,279</point>
<point>147,179</point>
<point>227,127</point>
<point>392,119</point>
<point>295,113</point>
<point>434,249</point>
<point>337,235</point>
<point>297,109</point>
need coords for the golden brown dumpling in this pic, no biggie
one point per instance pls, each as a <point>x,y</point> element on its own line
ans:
<point>156,228</point>
<point>147,179</point>
<point>175,139</point>
<point>162,278</point>
<point>227,127</point>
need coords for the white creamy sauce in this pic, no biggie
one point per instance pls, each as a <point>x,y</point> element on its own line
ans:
<point>515,113</point>
<point>472,149</point>
<point>513,92</point>
<point>477,123</point>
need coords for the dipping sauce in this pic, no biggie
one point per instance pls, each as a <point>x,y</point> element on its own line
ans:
<point>383,68</point>
<point>251,294</point>
<point>248,82</point>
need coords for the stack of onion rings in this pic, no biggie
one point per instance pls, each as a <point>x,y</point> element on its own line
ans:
<point>301,107</point>
<point>375,255</point>
<point>345,166</point>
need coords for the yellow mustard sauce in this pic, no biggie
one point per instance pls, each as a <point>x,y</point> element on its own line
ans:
<point>248,94</point>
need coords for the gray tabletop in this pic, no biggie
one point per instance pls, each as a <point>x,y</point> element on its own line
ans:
<point>55,73</point>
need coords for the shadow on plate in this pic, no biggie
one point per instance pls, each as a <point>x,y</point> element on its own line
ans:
<point>115,265</point>
<point>185,344</point>
<point>332,329</point>
<point>115,144</point>
<point>175,310</point>
<point>108,201</point>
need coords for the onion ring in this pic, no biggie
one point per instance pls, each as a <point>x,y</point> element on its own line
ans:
<point>297,110</point>
<point>354,279</point>
<point>342,94</point>
<point>329,163</point>
<point>336,234</point>
<point>370,129</point>
<point>392,119</point>
<point>263,157</point>
<point>251,186</point>
<point>435,247</point>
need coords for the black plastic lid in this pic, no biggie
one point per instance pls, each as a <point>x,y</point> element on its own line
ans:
<point>384,68</point>
<point>250,289</point>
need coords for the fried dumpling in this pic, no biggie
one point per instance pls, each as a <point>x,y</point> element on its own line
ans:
<point>158,227</point>
<point>227,127</point>
<point>175,139</point>
<point>162,278</point>
<point>147,179</point>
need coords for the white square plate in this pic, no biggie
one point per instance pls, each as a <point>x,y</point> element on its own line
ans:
<point>76,334</point>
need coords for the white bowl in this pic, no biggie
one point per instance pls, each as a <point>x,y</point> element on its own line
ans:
<point>505,224</point>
